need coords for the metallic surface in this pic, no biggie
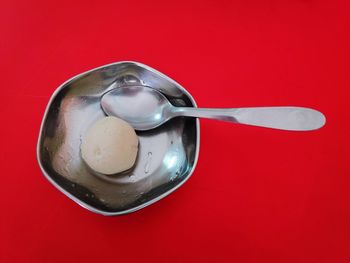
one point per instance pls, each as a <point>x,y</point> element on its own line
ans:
<point>146,108</point>
<point>167,155</point>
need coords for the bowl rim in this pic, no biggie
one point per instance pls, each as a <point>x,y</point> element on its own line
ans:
<point>82,203</point>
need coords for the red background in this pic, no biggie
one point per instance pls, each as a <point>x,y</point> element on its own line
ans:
<point>257,195</point>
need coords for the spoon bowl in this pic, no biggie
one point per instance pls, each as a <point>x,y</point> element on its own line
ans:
<point>143,107</point>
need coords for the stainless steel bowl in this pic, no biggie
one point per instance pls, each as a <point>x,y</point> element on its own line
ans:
<point>167,155</point>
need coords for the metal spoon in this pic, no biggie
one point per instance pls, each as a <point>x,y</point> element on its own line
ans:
<point>146,108</point>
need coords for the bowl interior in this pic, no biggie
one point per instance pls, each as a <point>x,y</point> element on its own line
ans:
<point>166,158</point>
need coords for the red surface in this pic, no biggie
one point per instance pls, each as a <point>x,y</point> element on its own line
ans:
<point>257,195</point>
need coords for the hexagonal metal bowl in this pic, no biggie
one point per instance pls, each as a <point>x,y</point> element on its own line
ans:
<point>167,155</point>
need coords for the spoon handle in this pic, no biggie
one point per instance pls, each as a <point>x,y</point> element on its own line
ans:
<point>283,118</point>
